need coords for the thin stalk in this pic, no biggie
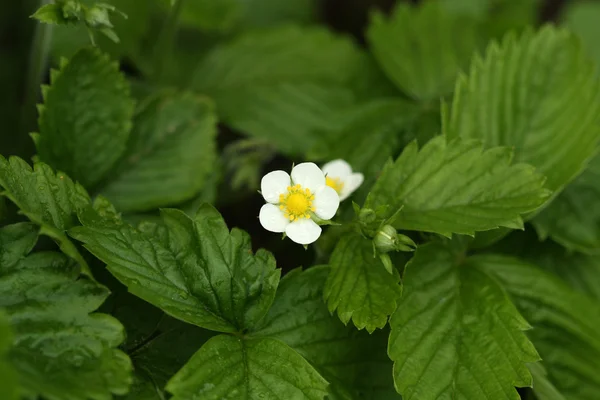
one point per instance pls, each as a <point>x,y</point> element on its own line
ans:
<point>163,51</point>
<point>36,71</point>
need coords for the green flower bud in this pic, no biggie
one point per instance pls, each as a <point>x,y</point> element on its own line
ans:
<point>367,216</point>
<point>387,239</point>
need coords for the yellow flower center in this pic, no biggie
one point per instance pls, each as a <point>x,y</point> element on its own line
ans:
<point>296,203</point>
<point>335,183</point>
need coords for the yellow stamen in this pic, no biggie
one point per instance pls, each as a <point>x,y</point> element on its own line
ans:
<point>335,183</point>
<point>296,203</point>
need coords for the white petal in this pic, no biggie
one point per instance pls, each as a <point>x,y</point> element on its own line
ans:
<point>351,183</point>
<point>272,218</point>
<point>309,175</point>
<point>337,169</point>
<point>303,231</point>
<point>326,202</point>
<point>273,184</point>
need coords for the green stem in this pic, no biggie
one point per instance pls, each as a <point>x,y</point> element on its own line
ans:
<point>163,52</point>
<point>36,71</point>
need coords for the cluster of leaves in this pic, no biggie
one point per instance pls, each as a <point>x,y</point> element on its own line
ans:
<point>143,292</point>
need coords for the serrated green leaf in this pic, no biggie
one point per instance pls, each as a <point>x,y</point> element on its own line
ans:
<point>86,117</point>
<point>457,187</point>
<point>193,269</point>
<point>423,48</point>
<point>455,333</point>
<point>170,154</point>
<point>9,389</point>
<point>358,286</point>
<point>354,362</point>
<point>573,217</point>
<point>50,200</point>
<point>303,76</point>
<point>565,323</point>
<point>546,103</point>
<point>582,18</point>
<point>61,349</point>
<point>237,368</point>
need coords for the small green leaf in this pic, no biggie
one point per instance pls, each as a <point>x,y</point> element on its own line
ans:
<point>456,334</point>
<point>194,269</point>
<point>573,217</point>
<point>546,103</point>
<point>9,389</point>
<point>50,200</point>
<point>236,368</point>
<point>86,117</point>
<point>423,48</point>
<point>51,14</point>
<point>565,323</point>
<point>170,155</point>
<point>457,187</point>
<point>61,349</point>
<point>354,362</point>
<point>359,287</point>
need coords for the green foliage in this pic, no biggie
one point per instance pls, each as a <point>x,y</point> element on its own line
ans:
<point>456,187</point>
<point>359,287</point>
<point>355,363</point>
<point>546,107</point>
<point>9,389</point>
<point>455,333</point>
<point>422,49</point>
<point>448,149</point>
<point>170,154</point>
<point>86,117</point>
<point>301,80</point>
<point>228,366</point>
<point>61,349</point>
<point>565,323</point>
<point>582,18</point>
<point>193,269</point>
<point>94,16</point>
<point>50,200</point>
<point>573,218</point>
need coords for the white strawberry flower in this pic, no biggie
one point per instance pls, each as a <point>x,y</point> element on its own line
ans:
<point>340,177</point>
<point>293,202</point>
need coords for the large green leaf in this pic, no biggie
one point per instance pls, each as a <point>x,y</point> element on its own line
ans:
<point>9,389</point>
<point>455,333</point>
<point>542,387</point>
<point>565,323</point>
<point>354,362</point>
<point>573,218</point>
<point>582,18</point>
<point>194,269</point>
<point>51,200</point>
<point>457,187</point>
<point>170,155</point>
<point>358,286</point>
<point>303,76</point>
<point>423,48</point>
<point>61,350</point>
<point>86,117</point>
<point>538,94</point>
<point>238,368</point>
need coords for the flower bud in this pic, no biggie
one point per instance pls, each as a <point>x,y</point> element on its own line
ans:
<point>367,216</point>
<point>387,239</point>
